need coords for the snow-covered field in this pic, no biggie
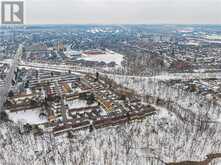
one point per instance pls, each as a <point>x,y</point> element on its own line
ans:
<point>78,104</point>
<point>108,57</point>
<point>29,116</point>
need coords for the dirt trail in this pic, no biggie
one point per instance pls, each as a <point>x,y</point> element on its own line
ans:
<point>208,160</point>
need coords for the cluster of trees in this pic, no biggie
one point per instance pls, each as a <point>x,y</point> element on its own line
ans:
<point>191,126</point>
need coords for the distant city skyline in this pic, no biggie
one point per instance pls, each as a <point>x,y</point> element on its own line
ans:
<point>122,12</point>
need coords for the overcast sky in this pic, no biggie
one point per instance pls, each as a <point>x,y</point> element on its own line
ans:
<point>122,11</point>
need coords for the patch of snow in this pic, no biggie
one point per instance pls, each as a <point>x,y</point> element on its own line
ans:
<point>78,104</point>
<point>107,58</point>
<point>30,116</point>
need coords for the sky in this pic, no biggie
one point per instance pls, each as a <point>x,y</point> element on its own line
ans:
<point>122,11</point>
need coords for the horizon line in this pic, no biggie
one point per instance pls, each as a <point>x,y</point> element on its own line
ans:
<point>114,24</point>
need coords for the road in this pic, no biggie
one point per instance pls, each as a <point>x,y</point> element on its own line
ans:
<point>7,81</point>
<point>166,76</point>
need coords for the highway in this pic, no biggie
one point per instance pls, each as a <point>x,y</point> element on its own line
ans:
<point>165,76</point>
<point>4,89</point>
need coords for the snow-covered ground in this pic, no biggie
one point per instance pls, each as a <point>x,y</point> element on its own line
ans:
<point>160,138</point>
<point>7,61</point>
<point>189,101</point>
<point>71,53</point>
<point>29,116</point>
<point>108,57</point>
<point>78,104</point>
<point>185,106</point>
